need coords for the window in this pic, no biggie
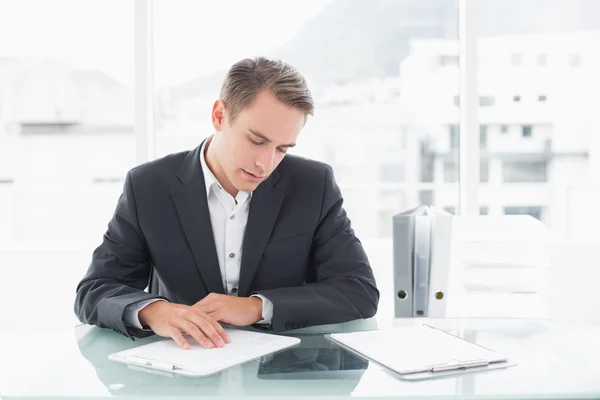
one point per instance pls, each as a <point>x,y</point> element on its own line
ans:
<point>450,171</point>
<point>523,171</point>
<point>450,209</point>
<point>454,138</point>
<point>66,143</point>
<point>540,157</point>
<point>426,197</point>
<point>574,60</point>
<point>542,60</point>
<point>346,87</point>
<point>535,212</point>
<point>484,171</point>
<point>483,136</point>
<point>487,101</point>
<point>446,60</point>
<point>484,101</point>
<point>516,59</point>
<point>391,173</point>
<point>483,210</point>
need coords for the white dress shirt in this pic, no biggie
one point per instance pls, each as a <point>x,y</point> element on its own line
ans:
<point>228,217</point>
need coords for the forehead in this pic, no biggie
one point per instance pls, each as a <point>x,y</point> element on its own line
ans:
<point>267,115</point>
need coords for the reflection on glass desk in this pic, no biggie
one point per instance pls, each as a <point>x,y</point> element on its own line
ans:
<point>315,358</point>
<point>556,360</point>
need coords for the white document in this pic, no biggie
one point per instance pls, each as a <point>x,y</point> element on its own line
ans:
<point>165,355</point>
<point>420,352</point>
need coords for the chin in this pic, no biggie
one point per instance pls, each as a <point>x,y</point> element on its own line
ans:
<point>245,187</point>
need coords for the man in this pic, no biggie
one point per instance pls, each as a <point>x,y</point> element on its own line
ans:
<point>232,232</point>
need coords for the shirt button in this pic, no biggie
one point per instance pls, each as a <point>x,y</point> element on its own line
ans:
<point>232,217</point>
<point>231,255</point>
<point>234,290</point>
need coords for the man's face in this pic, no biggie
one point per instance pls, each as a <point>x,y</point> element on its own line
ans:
<point>252,146</point>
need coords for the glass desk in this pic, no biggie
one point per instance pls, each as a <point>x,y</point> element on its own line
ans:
<point>556,360</point>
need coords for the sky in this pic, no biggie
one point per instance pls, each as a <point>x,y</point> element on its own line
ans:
<point>192,37</point>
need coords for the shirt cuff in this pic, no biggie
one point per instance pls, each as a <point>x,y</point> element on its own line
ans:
<point>132,311</point>
<point>267,309</point>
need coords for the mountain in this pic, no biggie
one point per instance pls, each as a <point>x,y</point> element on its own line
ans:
<point>358,39</point>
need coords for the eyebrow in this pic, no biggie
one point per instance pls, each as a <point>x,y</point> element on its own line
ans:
<point>266,139</point>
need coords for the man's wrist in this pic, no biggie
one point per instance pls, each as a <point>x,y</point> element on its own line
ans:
<point>257,307</point>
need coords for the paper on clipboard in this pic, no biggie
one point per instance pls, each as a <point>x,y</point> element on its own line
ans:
<point>421,352</point>
<point>165,356</point>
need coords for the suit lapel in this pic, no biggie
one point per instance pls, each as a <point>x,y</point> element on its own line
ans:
<point>264,208</point>
<point>192,207</point>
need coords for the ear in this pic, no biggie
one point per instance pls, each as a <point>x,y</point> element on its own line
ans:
<point>218,114</point>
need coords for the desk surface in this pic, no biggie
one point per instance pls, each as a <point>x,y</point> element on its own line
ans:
<point>556,360</point>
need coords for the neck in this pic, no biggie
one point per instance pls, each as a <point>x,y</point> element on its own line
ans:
<point>215,167</point>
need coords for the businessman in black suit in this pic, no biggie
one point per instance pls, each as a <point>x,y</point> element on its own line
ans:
<point>233,231</point>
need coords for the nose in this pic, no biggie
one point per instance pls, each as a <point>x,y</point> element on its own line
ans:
<point>265,161</point>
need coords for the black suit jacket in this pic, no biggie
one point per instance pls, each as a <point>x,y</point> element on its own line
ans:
<point>299,248</point>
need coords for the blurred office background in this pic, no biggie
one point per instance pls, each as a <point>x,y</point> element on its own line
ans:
<point>385,75</point>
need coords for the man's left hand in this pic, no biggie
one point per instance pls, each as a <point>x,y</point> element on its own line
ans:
<point>239,311</point>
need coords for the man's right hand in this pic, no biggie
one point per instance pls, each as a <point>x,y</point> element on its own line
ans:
<point>170,320</point>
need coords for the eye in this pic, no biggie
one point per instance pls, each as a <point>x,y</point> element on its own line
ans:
<point>282,150</point>
<point>254,141</point>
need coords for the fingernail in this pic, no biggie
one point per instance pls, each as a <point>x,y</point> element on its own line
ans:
<point>220,343</point>
<point>186,345</point>
<point>208,344</point>
<point>228,339</point>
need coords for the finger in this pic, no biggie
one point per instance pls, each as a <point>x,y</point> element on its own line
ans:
<point>208,299</point>
<point>203,322</point>
<point>215,317</point>
<point>176,335</point>
<point>196,333</point>
<point>202,302</point>
<point>208,308</point>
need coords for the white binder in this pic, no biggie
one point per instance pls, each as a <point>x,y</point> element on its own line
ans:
<point>440,264</point>
<point>404,260</point>
<point>421,243</point>
<point>166,356</point>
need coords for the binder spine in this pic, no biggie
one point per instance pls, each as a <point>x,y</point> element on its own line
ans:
<point>403,259</point>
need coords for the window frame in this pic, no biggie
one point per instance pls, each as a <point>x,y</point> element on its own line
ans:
<point>468,150</point>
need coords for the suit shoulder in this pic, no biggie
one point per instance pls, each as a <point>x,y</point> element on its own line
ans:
<point>164,167</point>
<point>301,166</point>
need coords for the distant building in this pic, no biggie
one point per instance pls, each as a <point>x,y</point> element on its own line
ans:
<point>539,125</point>
<point>66,142</point>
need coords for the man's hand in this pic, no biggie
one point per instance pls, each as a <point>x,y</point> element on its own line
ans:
<point>240,311</point>
<point>170,320</point>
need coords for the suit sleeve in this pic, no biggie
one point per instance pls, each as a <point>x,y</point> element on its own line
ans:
<point>344,287</point>
<point>118,273</point>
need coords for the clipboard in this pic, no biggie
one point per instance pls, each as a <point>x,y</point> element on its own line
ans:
<point>421,352</point>
<point>165,356</point>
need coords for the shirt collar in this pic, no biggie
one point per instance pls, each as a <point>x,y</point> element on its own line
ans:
<point>209,178</point>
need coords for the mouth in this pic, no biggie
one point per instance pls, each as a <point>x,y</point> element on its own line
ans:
<point>252,176</point>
